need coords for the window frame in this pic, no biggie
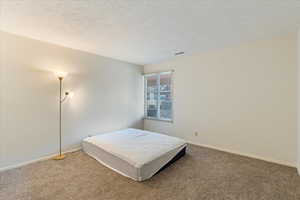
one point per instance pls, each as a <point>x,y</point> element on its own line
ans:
<point>158,74</point>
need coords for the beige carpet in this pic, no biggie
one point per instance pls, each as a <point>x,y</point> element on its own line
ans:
<point>202,174</point>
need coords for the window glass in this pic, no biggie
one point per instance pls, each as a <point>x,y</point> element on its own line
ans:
<point>158,96</point>
<point>165,96</point>
<point>152,96</point>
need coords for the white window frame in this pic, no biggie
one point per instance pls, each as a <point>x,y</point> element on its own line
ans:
<point>158,118</point>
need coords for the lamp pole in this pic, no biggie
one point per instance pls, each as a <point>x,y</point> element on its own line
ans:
<point>60,88</point>
<point>60,156</point>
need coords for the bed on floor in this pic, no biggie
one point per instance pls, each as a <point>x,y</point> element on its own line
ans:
<point>135,153</point>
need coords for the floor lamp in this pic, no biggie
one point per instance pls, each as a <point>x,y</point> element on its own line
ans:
<point>60,76</point>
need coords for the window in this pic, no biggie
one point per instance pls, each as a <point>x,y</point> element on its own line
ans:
<point>158,96</point>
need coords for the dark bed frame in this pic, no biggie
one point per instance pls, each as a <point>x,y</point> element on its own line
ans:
<point>177,157</point>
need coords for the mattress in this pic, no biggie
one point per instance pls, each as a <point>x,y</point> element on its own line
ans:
<point>134,153</point>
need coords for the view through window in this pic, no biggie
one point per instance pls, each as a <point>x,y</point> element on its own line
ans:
<point>158,96</point>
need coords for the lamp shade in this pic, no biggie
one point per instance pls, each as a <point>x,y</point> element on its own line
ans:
<point>60,74</point>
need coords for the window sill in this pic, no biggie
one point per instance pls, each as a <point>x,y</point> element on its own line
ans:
<point>156,119</point>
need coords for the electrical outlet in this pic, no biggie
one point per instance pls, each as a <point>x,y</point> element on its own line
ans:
<point>196,133</point>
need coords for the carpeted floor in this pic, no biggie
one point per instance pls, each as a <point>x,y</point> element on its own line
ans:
<point>203,174</point>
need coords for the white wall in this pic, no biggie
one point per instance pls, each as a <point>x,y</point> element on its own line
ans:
<point>298,100</point>
<point>1,98</point>
<point>241,99</point>
<point>108,95</point>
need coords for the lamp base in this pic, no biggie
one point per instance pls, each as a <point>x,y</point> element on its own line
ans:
<point>60,157</point>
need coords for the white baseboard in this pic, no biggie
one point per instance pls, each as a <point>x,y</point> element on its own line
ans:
<point>201,145</point>
<point>244,154</point>
<point>47,157</point>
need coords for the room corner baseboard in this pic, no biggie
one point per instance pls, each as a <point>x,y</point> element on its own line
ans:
<point>47,157</point>
<point>246,155</point>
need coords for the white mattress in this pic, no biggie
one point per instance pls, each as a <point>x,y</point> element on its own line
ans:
<point>134,153</point>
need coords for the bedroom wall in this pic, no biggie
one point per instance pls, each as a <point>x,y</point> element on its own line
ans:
<point>241,99</point>
<point>1,99</point>
<point>108,95</point>
<point>298,100</point>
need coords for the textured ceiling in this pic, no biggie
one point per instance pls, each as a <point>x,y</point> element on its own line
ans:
<point>148,31</point>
